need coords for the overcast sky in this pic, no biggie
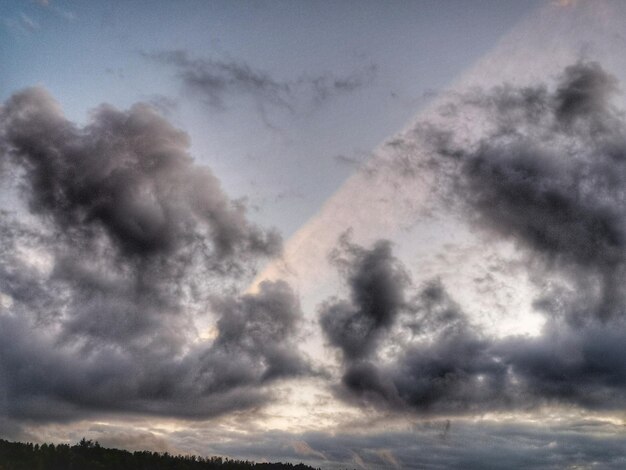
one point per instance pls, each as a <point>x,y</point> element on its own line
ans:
<point>362,234</point>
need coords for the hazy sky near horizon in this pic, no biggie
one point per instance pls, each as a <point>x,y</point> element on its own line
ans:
<point>366,234</point>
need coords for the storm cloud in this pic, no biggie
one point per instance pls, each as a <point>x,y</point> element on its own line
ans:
<point>376,282</point>
<point>430,358</point>
<point>127,244</point>
<point>127,174</point>
<point>548,172</point>
<point>45,379</point>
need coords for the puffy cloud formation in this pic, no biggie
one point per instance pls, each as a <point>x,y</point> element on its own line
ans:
<point>430,358</point>
<point>547,169</point>
<point>549,172</point>
<point>376,282</point>
<point>49,378</point>
<point>127,174</point>
<point>101,284</point>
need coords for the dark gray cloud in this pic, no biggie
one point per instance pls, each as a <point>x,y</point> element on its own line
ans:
<point>126,242</point>
<point>547,170</point>
<point>127,174</point>
<point>429,358</point>
<point>555,183</point>
<point>584,92</point>
<point>48,379</point>
<point>552,149</point>
<point>376,282</point>
<point>262,327</point>
<point>136,233</point>
<point>437,369</point>
<point>20,280</point>
<point>217,81</point>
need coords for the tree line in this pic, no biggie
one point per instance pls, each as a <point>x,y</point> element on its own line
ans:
<point>89,455</point>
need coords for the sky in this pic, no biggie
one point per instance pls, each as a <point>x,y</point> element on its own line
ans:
<point>350,234</point>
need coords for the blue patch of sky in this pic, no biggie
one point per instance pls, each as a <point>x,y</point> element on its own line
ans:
<point>86,53</point>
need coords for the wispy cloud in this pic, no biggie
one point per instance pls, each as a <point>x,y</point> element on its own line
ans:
<point>28,22</point>
<point>62,13</point>
<point>217,81</point>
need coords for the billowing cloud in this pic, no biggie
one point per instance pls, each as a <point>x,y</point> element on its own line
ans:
<point>103,283</point>
<point>430,368</point>
<point>432,359</point>
<point>127,174</point>
<point>376,282</point>
<point>259,330</point>
<point>547,171</point>
<point>48,379</point>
